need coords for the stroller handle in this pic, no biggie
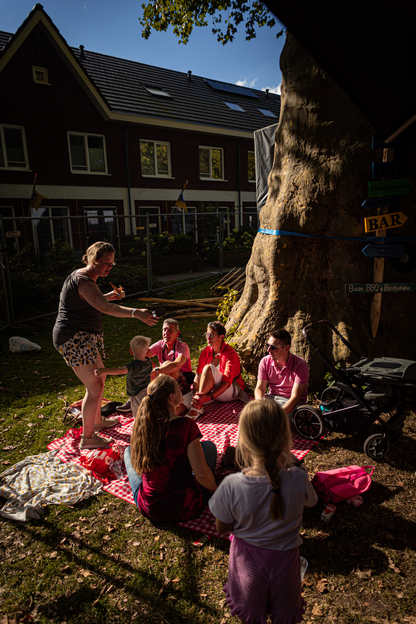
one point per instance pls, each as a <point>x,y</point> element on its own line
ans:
<point>313,326</point>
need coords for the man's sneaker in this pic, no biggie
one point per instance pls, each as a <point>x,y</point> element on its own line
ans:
<point>105,422</point>
<point>94,442</point>
<point>125,408</point>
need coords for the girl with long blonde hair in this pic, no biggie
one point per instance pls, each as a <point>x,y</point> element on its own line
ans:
<point>170,470</point>
<point>262,506</point>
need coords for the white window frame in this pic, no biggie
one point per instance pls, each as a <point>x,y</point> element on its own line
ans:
<point>49,209</point>
<point>209,177</point>
<point>3,143</point>
<point>157,174</point>
<point>87,171</point>
<point>254,154</point>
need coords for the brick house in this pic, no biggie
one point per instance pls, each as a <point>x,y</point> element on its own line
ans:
<point>111,140</point>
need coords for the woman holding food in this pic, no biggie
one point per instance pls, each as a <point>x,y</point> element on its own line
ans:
<point>78,336</point>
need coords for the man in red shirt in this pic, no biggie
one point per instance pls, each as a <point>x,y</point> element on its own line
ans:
<point>218,376</point>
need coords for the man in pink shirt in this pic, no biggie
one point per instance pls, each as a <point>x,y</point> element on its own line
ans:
<point>285,373</point>
<point>173,355</point>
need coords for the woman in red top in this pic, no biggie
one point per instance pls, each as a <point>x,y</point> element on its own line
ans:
<point>169,469</point>
<point>218,376</point>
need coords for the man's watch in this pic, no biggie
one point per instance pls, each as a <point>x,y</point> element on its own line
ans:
<point>156,369</point>
<point>211,395</point>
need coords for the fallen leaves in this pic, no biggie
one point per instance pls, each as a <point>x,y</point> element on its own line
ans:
<point>316,610</point>
<point>321,584</point>
<point>363,574</point>
<point>393,566</point>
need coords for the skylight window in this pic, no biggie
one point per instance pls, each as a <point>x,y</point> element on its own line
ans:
<point>157,91</point>
<point>230,88</point>
<point>235,107</point>
<point>267,112</point>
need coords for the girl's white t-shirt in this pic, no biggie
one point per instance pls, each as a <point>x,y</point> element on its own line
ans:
<point>245,501</point>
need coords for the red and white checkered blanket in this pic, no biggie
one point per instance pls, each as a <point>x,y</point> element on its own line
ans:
<point>219,424</point>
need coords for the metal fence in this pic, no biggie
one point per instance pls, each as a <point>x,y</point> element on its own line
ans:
<point>38,252</point>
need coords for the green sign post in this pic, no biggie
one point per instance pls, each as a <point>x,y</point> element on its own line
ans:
<point>379,188</point>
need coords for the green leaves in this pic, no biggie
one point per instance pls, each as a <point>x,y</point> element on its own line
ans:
<point>184,15</point>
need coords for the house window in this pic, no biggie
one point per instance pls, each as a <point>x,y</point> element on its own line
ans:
<point>267,112</point>
<point>250,219</point>
<point>211,163</point>
<point>13,150</point>
<point>234,106</point>
<point>10,227</point>
<point>87,152</point>
<point>251,167</point>
<point>155,158</point>
<point>40,75</point>
<point>157,91</point>
<point>47,230</point>
<point>101,224</point>
<point>154,219</point>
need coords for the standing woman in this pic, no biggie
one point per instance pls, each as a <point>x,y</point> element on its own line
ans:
<point>77,334</point>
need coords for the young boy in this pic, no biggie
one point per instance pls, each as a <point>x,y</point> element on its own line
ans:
<point>138,371</point>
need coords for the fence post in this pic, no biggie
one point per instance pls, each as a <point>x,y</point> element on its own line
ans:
<point>221,244</point>
<point>149,253</point>
<point>5,276</point>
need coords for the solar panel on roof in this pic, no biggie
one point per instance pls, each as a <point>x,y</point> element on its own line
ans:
<point>229,88</point>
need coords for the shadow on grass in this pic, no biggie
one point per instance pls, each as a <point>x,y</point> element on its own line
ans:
<point>157,597</point>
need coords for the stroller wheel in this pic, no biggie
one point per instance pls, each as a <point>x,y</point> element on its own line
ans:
<point>376,446</point>
<point>308,422</point>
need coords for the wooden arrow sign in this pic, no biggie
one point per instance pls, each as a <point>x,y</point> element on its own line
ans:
<point>392,169</point>
<point>380,188</point>
<point>383,251</point>
<point>400,141</point>
<point>384,221</point>
<point>377,202</point>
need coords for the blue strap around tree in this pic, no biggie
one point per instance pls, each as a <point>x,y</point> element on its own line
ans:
<point>365,239</point>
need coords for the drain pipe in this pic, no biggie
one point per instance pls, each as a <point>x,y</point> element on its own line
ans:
<point>126,150</point>
<point>240,208</point>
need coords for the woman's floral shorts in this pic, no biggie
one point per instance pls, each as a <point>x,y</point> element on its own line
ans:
<point>82,348</point>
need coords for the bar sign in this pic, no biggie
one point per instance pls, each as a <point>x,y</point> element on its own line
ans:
<point>384,222</point>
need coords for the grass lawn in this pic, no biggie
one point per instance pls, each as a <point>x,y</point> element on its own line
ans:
<point>100,561</point>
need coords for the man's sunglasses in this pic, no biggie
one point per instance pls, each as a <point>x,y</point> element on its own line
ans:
<point>275,347</point>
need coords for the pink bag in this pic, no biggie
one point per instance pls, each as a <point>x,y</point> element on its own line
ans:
<point>337,485</point>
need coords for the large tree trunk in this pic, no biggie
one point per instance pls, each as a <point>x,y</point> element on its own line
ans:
<point>320,175</point>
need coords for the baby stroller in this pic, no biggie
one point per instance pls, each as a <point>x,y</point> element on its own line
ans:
<point>361,394</point>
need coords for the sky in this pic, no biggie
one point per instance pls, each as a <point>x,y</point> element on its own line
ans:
<point>112,27</point>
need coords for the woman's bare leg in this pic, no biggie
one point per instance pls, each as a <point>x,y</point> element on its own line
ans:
<point>206,381</point>
<point>94,389</point>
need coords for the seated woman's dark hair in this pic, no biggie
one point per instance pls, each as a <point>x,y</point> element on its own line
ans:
<point>151,424</point>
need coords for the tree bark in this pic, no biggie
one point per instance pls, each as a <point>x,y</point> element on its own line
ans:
<point>319,179</point>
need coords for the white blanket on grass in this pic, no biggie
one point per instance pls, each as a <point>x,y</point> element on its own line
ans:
<point>40,480</point>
